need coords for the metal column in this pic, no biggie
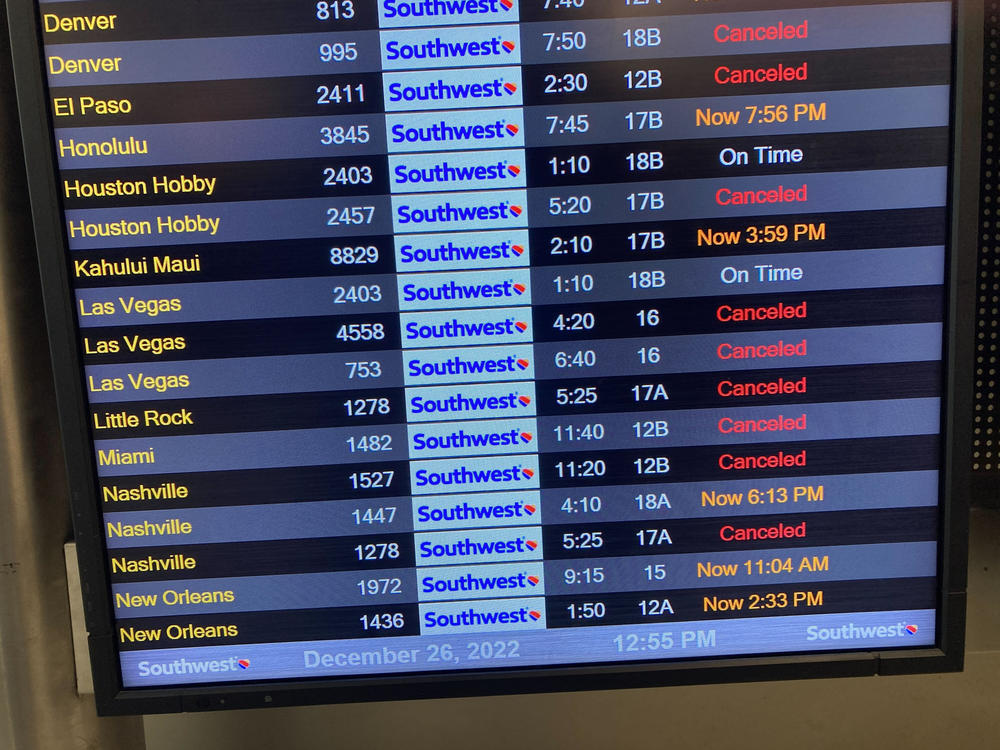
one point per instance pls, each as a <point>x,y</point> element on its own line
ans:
<point>37,677</point>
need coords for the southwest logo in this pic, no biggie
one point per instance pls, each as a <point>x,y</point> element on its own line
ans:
<point>458,402</point>
<point>244,663</point>
<point>467,440</point>
<point>458,365</point>
<point>446,132</point>
<point>446,212</point>
<point>435,8</point>
<point>912,629</point>
<point>479,617</point>
<point>455,328</point>
<point>445,49</point>
<point>450,252</point>
<point>442,90</point>
<point>526,437</point>
<point>464,476</point>
<point>453,291</point>
<point>445,171</point>
<point>468,546</point>
<point>465,511</point>
<point>444,584</point>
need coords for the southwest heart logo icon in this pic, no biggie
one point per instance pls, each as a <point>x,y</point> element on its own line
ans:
<point>520,288</point>
<point>521,326</point>
<point>516,210</point>
<point>524,399</point>
<point>532,545</point>
<point>507,4</point>
<point>244,663</point>
<point>518,250</point>
<point>534,580</point>
<point>523,364</point>
<point>531,509</point>
<point>912,629</point>
<point>514,170</point>
<point>513,129</point>
<point>535,615</point>
<point>509,46</point>
<point>510,87</point>
<point>526,437</point>
<point>529,474</point>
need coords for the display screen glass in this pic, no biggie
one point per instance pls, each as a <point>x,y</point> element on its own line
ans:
<point>442,335</point>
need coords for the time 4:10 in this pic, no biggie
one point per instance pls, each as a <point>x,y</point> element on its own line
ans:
<point>651,501</point>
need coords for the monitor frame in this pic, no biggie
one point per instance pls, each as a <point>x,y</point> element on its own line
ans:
<point>958,361</point>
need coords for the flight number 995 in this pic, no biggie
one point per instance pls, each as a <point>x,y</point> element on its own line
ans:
<point>338,51</point>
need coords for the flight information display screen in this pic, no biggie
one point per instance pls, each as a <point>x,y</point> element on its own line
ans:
<point>446,335</point>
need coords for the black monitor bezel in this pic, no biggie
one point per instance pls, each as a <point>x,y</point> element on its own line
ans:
<point>112,698</point>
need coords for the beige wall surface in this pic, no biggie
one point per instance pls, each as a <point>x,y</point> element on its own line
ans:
<point>953,711</point>
<point>6,728</point>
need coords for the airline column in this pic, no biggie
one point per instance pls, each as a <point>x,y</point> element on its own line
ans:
<point>455,131</point>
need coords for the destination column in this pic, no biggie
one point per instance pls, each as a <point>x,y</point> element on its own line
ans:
<point>231,257</point>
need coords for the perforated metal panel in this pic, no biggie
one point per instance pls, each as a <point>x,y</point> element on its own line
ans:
<point>986,427</point>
